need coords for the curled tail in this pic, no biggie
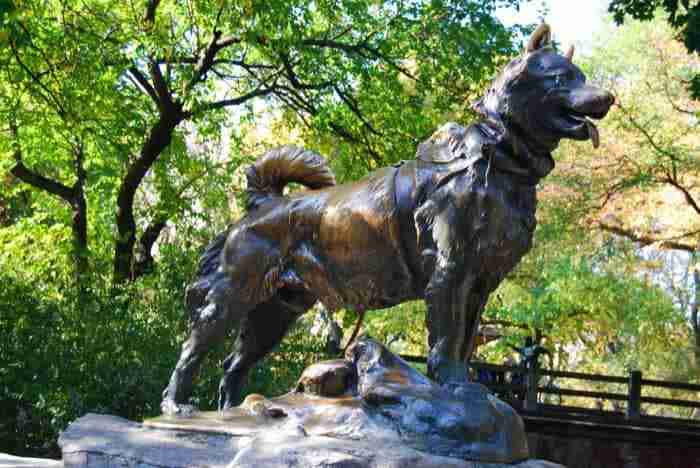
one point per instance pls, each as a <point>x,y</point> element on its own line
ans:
<point>280,166</point>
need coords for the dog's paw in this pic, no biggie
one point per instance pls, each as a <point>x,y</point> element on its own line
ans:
<point>170,408</point>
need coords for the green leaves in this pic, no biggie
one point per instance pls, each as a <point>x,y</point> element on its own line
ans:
<point>363,80</point>
<point>684,16</point>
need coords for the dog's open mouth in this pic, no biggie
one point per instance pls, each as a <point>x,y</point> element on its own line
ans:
<point>576,125</point>
<point>572,110</point>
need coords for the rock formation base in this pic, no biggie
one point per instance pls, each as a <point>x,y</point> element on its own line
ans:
<point>369,410</point>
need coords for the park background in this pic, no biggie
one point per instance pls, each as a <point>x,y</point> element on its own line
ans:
<point>126,129</point>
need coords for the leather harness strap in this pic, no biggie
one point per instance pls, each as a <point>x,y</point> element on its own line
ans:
<point>405,198</point>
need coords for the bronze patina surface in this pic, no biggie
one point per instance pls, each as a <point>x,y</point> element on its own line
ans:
<point>446,227</point>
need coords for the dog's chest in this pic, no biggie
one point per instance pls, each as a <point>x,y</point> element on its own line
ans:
<point>504,225</point>
<point>509,223</point>
<point>480,222</point>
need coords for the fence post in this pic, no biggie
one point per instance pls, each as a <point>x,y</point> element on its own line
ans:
<point>531,387</point>
<point>634,395</point>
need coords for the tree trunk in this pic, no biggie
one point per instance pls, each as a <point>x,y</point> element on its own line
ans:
<point>80,240</point>
<point>74,196</point>
<point>144,257</point>
<point>158,139</point>
<point>79,226</point>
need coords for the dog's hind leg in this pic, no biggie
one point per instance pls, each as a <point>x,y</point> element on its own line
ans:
<point>212,325</point>
<point>260,332</point>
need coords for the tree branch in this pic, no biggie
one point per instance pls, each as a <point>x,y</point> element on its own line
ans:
<point>164,101</point>
<point>358,49</point>
<point>179,60</point>
<point>666,80</point>
<point>234,101</point>
<point>686,193</point>
<point>345,133</point>
<point>144,257</point>
<point>668,243</point>
<point>158,139</point>
<point>646,134</point>
<point>228,40</point>
<point>206,61</point>
<point>352,104</point>
<point>50,98</point>
<point>49,65</point>
<point>144,84</point>
<point>294,79</point>
<point>505,323</point>
<point>150,16</point>
<point>35,179</point>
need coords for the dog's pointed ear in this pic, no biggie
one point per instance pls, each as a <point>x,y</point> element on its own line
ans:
<point>539,38</point>
<point>570,53</point>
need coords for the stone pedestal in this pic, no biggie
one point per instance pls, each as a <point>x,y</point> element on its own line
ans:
<point>370,410</point>
<point>11,461</point>
<point>103,441</point>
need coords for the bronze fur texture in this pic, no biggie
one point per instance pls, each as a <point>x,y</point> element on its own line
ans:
<point>445,227</point>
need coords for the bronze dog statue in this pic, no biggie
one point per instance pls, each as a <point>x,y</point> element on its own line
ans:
<point>446,227</point>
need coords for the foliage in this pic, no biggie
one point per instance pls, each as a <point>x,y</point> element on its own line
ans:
<point>683,15</point>
<point>586,309</point>
<point>120,158</point>
<point>61,358</point>
<point>652,136</point>
<point>279,371</point>
<point>111,352</point>
<point>650,196</point>
<point>104,102</point>
<point>401,328</point>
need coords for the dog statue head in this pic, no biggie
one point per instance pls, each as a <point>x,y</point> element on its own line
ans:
<point>540,98</point>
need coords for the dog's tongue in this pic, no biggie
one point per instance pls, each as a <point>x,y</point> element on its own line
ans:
<point>593,133</point>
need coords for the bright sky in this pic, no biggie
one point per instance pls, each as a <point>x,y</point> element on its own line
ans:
<point>572,21</point>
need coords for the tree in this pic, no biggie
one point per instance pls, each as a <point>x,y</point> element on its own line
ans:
<point>648,189</point>
<point>684,15</point>
<point>97,95</point>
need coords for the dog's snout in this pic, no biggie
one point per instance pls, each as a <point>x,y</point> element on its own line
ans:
<point>590,100</point>
<point>612,98</point>
<point>608,98</point>
<point>603,101</point>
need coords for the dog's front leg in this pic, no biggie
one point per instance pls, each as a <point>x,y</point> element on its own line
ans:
<point>448,225</point>
<point>448,320</point>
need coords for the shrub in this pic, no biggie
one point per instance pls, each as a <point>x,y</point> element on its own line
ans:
<point>107,350</point>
